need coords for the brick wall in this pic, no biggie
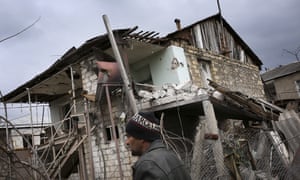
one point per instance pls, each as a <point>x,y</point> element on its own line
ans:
<point>230,73</point>
<point>106,165</point>
<point>104,151</point>
<point>89,77</point>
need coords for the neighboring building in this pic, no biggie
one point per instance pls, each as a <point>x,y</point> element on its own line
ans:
<point>282,85</point>
<point>18,140</point>
<point>168,76</point>
<point>16,162</point>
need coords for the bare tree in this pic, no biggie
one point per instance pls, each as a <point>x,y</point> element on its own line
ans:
<point>294,52</point>
<point>23,30</point>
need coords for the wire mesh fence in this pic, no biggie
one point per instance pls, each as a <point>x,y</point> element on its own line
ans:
<point>12,167</point>
<point>239,153</point>
<point>245,154</point>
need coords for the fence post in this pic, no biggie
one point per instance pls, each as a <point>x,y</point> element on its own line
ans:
<point>212,135</point>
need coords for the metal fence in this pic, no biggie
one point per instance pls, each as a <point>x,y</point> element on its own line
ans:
<point>246,153</point>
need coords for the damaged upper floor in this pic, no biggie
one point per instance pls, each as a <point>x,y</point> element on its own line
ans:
<point>149,59</point>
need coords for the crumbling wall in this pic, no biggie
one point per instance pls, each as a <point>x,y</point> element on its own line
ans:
<point>89,76</point>
<point>238,76</point>
<point>110,161</point>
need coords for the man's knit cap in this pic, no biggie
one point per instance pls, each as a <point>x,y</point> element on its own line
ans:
<point>144,125</point>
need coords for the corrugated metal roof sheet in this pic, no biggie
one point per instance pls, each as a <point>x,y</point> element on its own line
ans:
<point>281,71</point>
<point>289,125</point>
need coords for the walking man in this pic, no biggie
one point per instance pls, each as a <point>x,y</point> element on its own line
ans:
<point>155,161</point>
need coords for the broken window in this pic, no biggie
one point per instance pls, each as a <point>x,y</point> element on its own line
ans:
<point>143,75</point>
<point>29,139</point>
<point>109,133</point>
<point>270,91</point>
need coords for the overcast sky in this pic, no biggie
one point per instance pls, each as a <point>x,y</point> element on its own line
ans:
<point>267,27</point>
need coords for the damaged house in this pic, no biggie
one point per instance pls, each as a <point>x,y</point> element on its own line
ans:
<point>202,81</point>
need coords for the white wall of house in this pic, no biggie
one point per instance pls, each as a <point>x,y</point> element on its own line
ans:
<point>56,108</point>
<point>167,66</point>
<point>18,141</point>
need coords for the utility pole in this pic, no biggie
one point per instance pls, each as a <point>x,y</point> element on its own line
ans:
<point>128,87</point>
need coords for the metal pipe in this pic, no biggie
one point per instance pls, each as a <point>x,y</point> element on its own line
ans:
<point>32,135</point>
<point>114,132</point>
<point>128,88</point>
<point>31,120</point>
<point>88,132</point>
<point>73,89</point>
<point>82,166</point>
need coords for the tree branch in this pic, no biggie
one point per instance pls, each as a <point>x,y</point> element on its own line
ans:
<point>295,53</point>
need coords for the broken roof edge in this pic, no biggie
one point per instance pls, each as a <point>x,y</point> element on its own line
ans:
<point>54,68</point>
<point>230,29</point>
<point>72,56</point>
<point>66,60</point>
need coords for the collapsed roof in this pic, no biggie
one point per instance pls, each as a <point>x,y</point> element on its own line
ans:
<point>51,83</point>
<point>55,81</point>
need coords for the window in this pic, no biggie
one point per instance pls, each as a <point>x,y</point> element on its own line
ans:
<point>205,72</point>
<point>298,87</point>
<point>66,117</point>
<point>29,138</point>
<point>66,110</point>
<point>109,133</point>
<point>270,91</point>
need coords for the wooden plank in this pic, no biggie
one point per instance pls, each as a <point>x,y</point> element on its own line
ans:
<point>70,152</point>
<point>249,103</point>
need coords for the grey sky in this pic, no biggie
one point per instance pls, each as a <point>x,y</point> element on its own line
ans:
<point>267,27</point>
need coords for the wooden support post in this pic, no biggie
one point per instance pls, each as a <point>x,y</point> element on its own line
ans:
<point>212,127</point>
<point>82,163</point>
<point>212,135</point>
